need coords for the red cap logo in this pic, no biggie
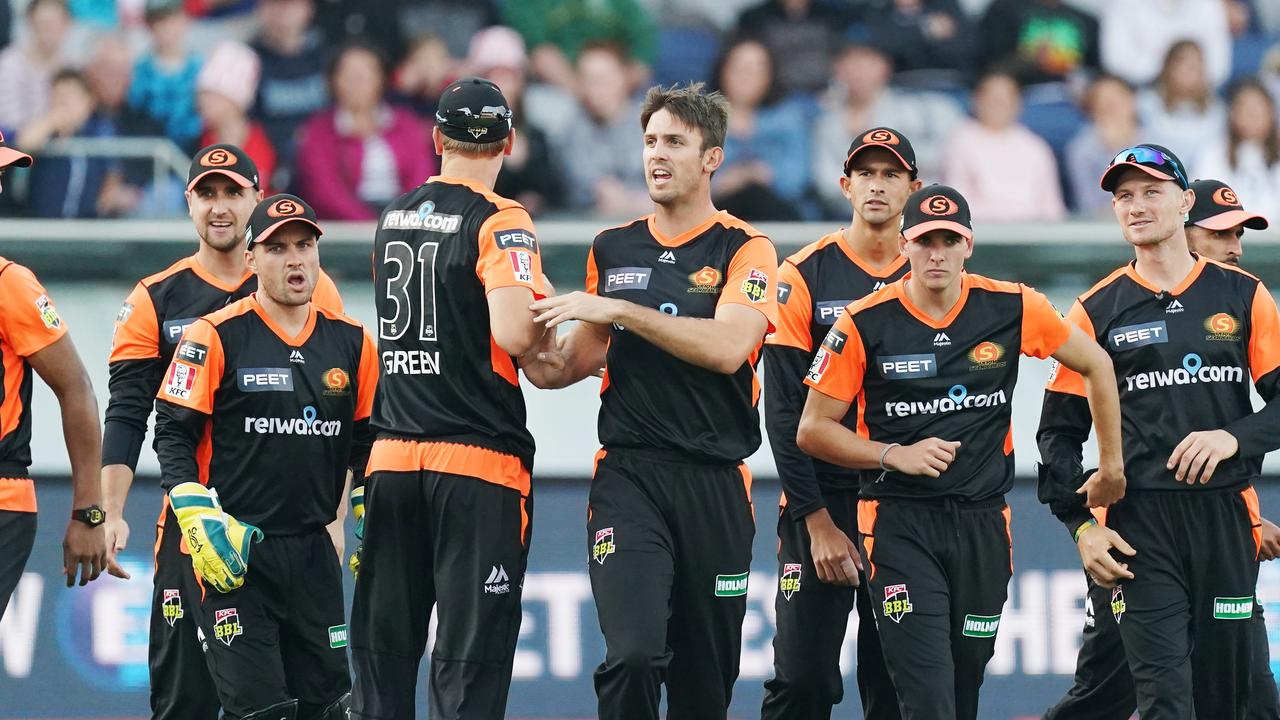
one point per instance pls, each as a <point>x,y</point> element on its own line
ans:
<point>218,158</point>
<point>1226,196</point>
<point>939,205</point>
<point>880,136</point>
<point>284,208</point>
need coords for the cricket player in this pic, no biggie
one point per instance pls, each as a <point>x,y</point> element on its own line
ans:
<point>448,503</point>
<point>34,337</point>
<point>261,413</point>
<point>818,520</point>
<point>676,307</point>
<point>1104,686</point>
<point>931,361</point>
<point>222,190</point>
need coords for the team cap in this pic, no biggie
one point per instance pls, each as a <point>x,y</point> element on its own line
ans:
<point>887,138</point>
<point>1218,208</point>
<point>1155,160</point>
<point>224,159</point>
<point>473,110</point>
<point>274,213</point>
<point>9,156</point>
<point>936,207</point>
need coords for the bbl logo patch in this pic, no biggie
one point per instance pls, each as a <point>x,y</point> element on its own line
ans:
<point>897,602</point>
<point>1233,608</point>
<point>171,608</point>
<point>789,583</point>
<point>980,626</point>
<point>336,382</point>
<point>226,626</point>
<point>48,314</point>
<point>756,286</point>
<point>603,546</point>
<point>1117,602</point>
<point>732,585</point>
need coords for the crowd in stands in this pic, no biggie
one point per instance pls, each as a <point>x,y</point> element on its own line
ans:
<point>1017,103</point>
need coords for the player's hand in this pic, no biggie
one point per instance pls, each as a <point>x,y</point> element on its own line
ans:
<point>1270,549</point>
<point>1199,453</point>
<point>219,544</point>
<point>1104,487</point>
<point>583,306</point>
<point>117,532</point>
<point>835,557</point>
<point>1095,545</point>
<point>84,552</point>
<point>930,457</point>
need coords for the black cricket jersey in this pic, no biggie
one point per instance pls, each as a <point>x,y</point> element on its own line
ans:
<point>914,377</point>
<point>814,286</point>
<point>1183,362</point>
<point>147,330</point>
<point>651,399</point>
<point>269,421</point>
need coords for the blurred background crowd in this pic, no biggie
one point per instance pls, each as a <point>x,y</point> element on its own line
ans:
<point>1017,103</point>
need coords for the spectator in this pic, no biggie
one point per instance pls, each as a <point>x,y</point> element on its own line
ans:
<point>292,86</point>
<point>924,35</point>
<point>454,21</point>
<point>1248,157</point>
<point>528,174</point>
<point>358,155</point>
<point>67,185</point>
<point>859,98</point>
<point>27,68</point>
<point>1005,171</point>
<point>1136,35</point>
<point>609,179</point>
<point>1113,126</point>
<point>1181,111</point>
<point>764,174</point>
<point>1038,40</point>
<point>802,31</point>
<point>394,25</point>
<point>557,31</point>
<point>426,71</point>
<point>225,89</point>
<point>164,80</point>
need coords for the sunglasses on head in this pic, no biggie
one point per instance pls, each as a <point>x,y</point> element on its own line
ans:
<point>1150,156</point>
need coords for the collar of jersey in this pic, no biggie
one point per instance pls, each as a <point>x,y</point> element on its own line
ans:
<point>684,237</point>
<point>203,273</point>
<point>301,337</point>
<point>469,184</point>
<point>856,259</point>
<point>1131,269</point>
<point>900,289</point>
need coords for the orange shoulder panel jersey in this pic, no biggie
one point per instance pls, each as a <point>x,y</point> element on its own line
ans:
<point>271,422</point>
<point>951,379</point>
<point>29,323</point>
<point>147,330</point>
<point>1183,362</point>
<point>814,286</point>
<point>438,251</point>
<point>650,398</point>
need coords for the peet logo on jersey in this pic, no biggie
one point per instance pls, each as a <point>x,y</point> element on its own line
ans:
<point>958,398</point>
<point>987,356</point>
<point>226,625</point>
<point>980,626</point>
<point>1222,328</point>
<point>48,313</point>
<point>521,265</point>
<point>907,367</point>
<point>192,352</point>
<point>756,286</point>
<point>1233,608</point>
<point>173,329</point>
<point>818,368</point>
<point>180,380</point>
<point>897,602</point>
<point>732,585</point>
<point>603,546</point>
<point>789,581</point>
<point>1193,371</point>
<point>508,239</point>
<point>827,312</point>
<point>264,379</point>
<point>707,280</point>
<point>627,278</point>
<point>784,293</point>
<point>498,583</point>
<point>1132,336</point>
<point>424,218</point>
<point>336,382</point>
<point>171,607</point>
<point>835,340</point>
<point>309,425</point>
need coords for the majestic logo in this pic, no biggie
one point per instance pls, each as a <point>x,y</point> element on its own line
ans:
<point>295,356</point>
<point>667,257</point>
<point>957,398</point>
<point>336,382</point>
<point>987,356</point>
<point>980,626</point>
<point>941,340</point>
<point>192,352</point>
<point>897,602</point>
<point>226,625</point>
<point>1233,608</point>
<point>907,367</point>
<point>171,607</point>
<point>938,205</point>
<point>521,265</point>
<point>180,380</point>
<point>756,286</point>
<point>1117,602</point>
<point>48,313</point>
<point>604,545</point>
<point>784,293</point>
<point>424,218</point>
<point>627,278</point>
<point>706,280</point>
<point>337,636</point>
<point>1174,307</point>
<point>284,208</point>
<point>1226,196</point>
<point>789,582</point>
<point>732,585</point>
<point>1222,327</point>
<point>1132,336</point>
<point>878,286</point>
<point>309,425</point>
<point>818,368</point>
<point>508,239</point>
<point>1193,371</point>
<point>881,136</point>
<point>498,583</point>
<point>265,379</point>
<point>218,157</point>
<point>829,311</point>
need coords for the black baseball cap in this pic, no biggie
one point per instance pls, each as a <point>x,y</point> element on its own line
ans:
<point>274,213</point>
<point>937,207</point>
<point>889,139</point>
<point>225,159</point>
<point>1218,208</point>
<point>1155,160</point>
<point>9,156</point>
<point>473,110</point>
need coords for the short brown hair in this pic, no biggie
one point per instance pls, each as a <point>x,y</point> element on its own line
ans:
<point>471,149</point>
<point>706,111</point>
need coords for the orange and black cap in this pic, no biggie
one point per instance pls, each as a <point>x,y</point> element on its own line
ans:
<point>1155,160</point>
<point>889,139</point>
<point>223,159</point>
<point>274,213</point>
<point>936,207</point>
<point>9,156</point>
<point>1218,208</point>
<point>473,110</point>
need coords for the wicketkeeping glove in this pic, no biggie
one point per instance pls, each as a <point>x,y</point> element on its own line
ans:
<point>219,544</point>
<point>357,511</point>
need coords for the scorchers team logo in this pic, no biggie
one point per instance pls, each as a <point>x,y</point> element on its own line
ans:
<point>882,136</point>
<point>1226,196</point>
<point>1222,326</point>
<point>336,382</point>
<point>284,208</point>
<point>939,205</point>
<point>218,158</point>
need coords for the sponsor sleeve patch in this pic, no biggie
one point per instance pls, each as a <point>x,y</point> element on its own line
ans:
<point>48,313</point>
<point>756,286</point>
<point>516,238</point>
<point>784,292</point>
<point>521,265</point>
<point>192,352</point>
<point>180,380</point>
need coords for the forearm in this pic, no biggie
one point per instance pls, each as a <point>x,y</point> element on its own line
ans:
<point>116,481</point>
<point>583,353</point>
<point>1256,434</point>
<point>707,343</point>
<point>1104,407</point>
<point>132,388</point>
<point>1064,428</point>
<point>826,439</point>
<point>84,443</point>
<point>784,396</point>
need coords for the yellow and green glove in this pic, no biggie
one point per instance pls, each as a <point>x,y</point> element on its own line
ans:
<point>219,544</point>
<point>357,511</point>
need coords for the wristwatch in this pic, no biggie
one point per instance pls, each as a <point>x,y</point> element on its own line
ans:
<point>93,516</point>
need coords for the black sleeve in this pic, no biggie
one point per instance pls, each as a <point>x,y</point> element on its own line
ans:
<point>784,396</point>
<point>1065,421</point>
<point>133,387</point>
<point>178,431</point>
<point>362,436</point>
<point>1259,433</point>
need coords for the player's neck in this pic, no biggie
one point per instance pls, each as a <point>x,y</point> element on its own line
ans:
<point>875,245</point>
<point>289,318</point>
<point>483,171</point>
<point>1165,265</point>
<point>228,267</point>
<point>937,304</point>
<point>675,218</point>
